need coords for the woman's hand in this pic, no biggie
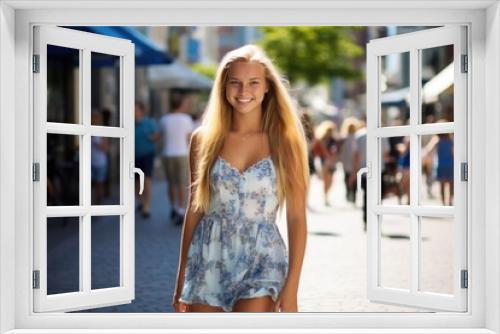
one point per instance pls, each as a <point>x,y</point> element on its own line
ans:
<point>179,306</point>
<point>287,300</point>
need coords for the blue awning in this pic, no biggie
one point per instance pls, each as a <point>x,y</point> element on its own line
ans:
<point>146,51</point>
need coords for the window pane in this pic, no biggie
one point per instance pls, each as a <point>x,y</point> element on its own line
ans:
<point>395,170</point>
<point>437,169</point>
<point>105,91</point>
<point>437,254</point>
<point>105,251</point>
<point>394,83</point>
<point>395,251</point>
<point>63,257</point>
<point>63,170</point>
<point>437,84</point>
<point>105,170</point>
<point>63,84</point>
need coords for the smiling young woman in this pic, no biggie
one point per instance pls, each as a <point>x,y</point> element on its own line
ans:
<point>232,256</point>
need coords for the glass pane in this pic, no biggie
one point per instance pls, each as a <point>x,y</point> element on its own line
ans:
<point>395,89</point>
<point>63,170</point>
<point>437,84</point>
<point>437,254</point>
<point>105,91</point>
<point>105,251</point>
<point>105,170</point>
<point>395,170</point>
<point>437,170</point>
<point>63,84</point>
<point>63,255</point>
<point>395,258</point>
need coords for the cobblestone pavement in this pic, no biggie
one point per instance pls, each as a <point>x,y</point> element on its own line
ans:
<point>334,273</point>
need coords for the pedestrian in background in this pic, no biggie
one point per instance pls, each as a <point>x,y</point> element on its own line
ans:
<point>347,148</point>
<point>358,162</point>
<point>404,169</point>
<point>308,127</point>
<point>442,144</point>
<point>146,134</point>
<point>98,161</point>
<point>326,147</point>
<point>248,158</point>
<point>428,162</point>
<point>176,128</point>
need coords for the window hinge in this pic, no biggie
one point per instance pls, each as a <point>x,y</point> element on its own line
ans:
<point>36,279</point>
<point>465,66</point>
<point>36,63</point>
<point>464,279</point>
<point>464,171</point>
<point>36,171</point>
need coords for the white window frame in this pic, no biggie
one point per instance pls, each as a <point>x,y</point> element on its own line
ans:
<point>85,43</point>
<point>413,44</point>
<point>16,20</point>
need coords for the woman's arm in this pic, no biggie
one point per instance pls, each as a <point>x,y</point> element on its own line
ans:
<point>430,147</point>
<point>297,236</point>
<point>191,219</point>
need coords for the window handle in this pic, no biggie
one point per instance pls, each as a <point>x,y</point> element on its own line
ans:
<point>141,179</point>
<point>139,171</point>
<point>365,170</point>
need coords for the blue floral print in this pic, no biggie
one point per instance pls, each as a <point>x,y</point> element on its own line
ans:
<point>237,250</point>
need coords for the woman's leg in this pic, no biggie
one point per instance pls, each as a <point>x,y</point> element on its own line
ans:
<point>347,187</point>
<point>405,182</point>
<point>260,304</point>
<point>204,308</point>
<point>442,185</point>
<point>450,199</point>
<point>327,183</point>
<point>146,195</point>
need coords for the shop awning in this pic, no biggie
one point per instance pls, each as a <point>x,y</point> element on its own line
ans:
<point>430,90</point>
<point>177,75</point>
<point>146,51</point>
<point>438,84</point>
<point>397,97</point>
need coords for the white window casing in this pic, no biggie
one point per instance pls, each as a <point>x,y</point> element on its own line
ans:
<point>85,44</point>
<point>16,225</point>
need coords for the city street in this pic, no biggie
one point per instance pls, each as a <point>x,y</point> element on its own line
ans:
<point>334,273</point>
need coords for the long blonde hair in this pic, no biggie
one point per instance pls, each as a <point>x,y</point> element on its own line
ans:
<point>280,122</point>
<point>323,129</point>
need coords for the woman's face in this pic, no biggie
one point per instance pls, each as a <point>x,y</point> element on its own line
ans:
<point>246,86</point>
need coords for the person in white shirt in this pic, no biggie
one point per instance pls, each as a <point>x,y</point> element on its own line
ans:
<point>176,128</point>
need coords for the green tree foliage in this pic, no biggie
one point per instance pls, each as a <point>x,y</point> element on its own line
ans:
<point>313,53</point>
<point>206,70</point>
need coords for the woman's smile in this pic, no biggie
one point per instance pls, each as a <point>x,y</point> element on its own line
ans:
<point>246,86</point>
<point>244,100</point>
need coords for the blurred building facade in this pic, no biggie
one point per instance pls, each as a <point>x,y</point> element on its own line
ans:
<point>350,96</point>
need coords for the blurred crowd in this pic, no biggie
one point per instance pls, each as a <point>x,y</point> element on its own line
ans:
<point>333,147</point>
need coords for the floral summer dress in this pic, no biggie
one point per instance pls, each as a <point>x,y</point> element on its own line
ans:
<point>237,250</point>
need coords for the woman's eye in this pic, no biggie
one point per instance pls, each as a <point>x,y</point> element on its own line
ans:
<point>254,83</point>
